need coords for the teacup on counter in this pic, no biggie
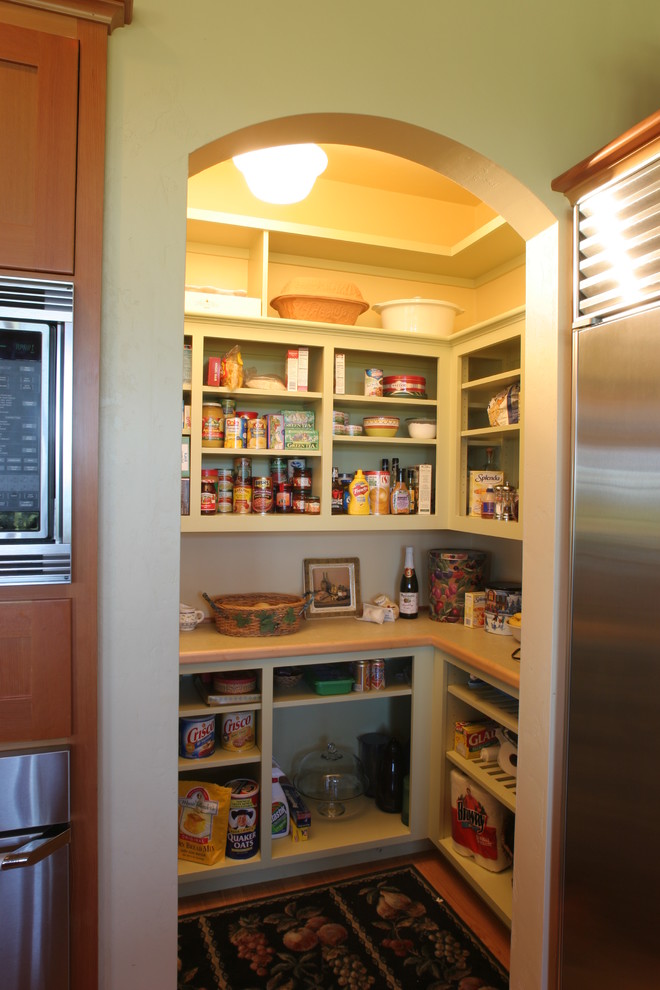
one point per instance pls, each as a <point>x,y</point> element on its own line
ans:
<point>189,617</point>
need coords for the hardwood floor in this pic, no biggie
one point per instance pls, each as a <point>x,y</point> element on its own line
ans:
<point>449,885</point>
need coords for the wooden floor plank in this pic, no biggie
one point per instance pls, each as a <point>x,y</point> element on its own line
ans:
<point>437,871</point>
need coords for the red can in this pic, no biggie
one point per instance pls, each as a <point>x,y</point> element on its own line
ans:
<point>377,675</point>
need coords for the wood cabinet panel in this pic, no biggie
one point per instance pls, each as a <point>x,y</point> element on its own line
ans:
<point>38,122</point>
<point>35,670</point>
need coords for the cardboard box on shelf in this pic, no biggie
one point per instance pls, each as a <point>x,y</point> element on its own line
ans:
<point>303,369</point>
<point>479,482</point>
<point>475,604</point>
<point>292,370</point>
<point>424,488</point>
<point>471,737</point>
<point>340,374</point>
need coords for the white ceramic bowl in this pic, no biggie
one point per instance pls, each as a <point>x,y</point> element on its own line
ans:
<point>514,623</point>
<point>434,317</point>
<point>422,429</point>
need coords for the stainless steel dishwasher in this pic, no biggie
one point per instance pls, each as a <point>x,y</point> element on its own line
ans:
<point>34,870</point>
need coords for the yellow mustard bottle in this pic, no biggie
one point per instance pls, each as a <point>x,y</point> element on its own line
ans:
<point>358,500</point>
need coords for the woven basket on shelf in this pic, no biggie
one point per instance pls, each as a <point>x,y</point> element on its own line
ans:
<point>260,614</point>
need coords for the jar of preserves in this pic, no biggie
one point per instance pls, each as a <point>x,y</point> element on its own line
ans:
<point>298,500</point>
<point>209,499</point>
<point>212,424</point>
<point>302,479</point>
<point>283,497</point>
<point>312,505</point>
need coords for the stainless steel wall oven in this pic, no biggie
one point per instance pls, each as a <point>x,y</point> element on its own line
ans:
<point>36,351</point>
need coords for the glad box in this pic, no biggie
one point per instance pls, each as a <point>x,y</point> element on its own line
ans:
<point>471,737</point>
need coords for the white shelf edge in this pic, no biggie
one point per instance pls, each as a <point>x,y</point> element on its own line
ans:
<point>483,774</point>
<point>471,697</point>
<point>310,698</point>
<point>495,888</point>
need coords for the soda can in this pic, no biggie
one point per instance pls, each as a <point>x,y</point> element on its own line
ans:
<point>377,675</point>
<point>362,676</point>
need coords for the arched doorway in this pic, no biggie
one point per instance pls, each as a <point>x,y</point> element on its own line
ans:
<point>546,358</point>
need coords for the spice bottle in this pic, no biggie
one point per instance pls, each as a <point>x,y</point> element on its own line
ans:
<point>399,497</point>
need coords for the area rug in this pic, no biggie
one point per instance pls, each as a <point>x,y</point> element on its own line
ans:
<point>384,930</point>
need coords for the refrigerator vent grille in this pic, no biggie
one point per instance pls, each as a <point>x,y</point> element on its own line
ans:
<point>41,567</point>
<point>36,296</point>
<point>617,231</point>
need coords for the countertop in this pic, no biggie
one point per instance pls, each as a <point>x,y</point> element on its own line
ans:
<point>487,653</point>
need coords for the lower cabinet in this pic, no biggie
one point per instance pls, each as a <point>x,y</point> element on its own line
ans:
<point>292,720</point>
<point>470,696</point>
<point>427,691</point>
<point>35,670</point>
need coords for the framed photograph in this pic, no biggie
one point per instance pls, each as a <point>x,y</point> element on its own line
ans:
<point>335,586</point>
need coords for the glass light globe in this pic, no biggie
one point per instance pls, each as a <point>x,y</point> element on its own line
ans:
<point>284,174</point>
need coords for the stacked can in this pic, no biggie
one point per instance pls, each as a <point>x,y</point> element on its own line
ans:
<point>262,494</point>
<point>225,490</point>
<point>242,495</point>
<point>361,675</point>
<point>377,675</point>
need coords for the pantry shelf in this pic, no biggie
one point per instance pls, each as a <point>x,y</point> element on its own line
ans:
<point>490,776</point>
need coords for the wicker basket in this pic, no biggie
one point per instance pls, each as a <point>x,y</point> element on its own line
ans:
<point>260,614</point>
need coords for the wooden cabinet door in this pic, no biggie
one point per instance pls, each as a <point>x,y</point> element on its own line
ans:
<point>35,670</point>
<point>38,124</point>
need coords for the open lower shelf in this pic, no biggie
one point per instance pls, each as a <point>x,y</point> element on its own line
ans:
<point>495,888</point>
<point>192,872</point>
<point>301,695</point>
<point>490,776</point>
<point>368,826</point>
<point>491,702</point>
<point>192,704</point>
<point>221,758</point>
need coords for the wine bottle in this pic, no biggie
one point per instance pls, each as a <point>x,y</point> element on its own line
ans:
<point>389,782</point>
<point>409,589</point>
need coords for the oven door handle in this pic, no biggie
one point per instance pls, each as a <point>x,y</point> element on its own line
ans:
<point>35,851</point>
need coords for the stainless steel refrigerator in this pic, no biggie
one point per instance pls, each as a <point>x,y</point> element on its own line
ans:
<point>610,934</point>
<point>34,870</point>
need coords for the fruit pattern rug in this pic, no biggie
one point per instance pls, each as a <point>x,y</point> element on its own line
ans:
<point>384,931</point>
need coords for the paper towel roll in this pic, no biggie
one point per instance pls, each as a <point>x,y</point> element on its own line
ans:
<point>478,824</point>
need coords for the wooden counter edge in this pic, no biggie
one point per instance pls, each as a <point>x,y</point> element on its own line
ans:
<point>370,636</point>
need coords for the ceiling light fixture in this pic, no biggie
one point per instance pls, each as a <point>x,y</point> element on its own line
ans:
<point>284,174</point>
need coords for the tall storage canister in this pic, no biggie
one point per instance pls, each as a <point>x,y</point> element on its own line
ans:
<point>451,574</point>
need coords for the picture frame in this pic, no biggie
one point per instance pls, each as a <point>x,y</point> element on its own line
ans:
<point>334,584</point>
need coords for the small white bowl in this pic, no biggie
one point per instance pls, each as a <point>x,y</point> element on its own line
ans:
<point>422,429</point>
